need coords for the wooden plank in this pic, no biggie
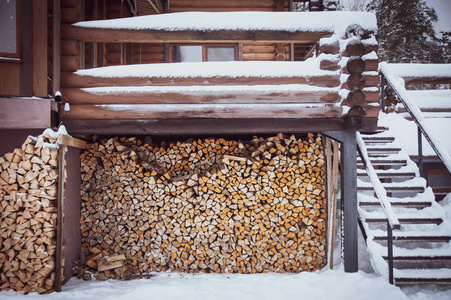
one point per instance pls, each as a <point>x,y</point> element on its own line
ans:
<point>71,80</point>
<point>67,140</point>
<point>225,111</point>
<point>39,48</point>
<point>10,78</point>
<point>209,126</point>
<point>79,96</point>
<point>25,113</point>
<point>333,198</point>
<point>145,36</point>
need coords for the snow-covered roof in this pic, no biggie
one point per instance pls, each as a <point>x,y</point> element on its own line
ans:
<point>210,21</point>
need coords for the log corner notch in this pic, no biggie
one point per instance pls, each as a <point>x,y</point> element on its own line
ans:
<point>359,91</point>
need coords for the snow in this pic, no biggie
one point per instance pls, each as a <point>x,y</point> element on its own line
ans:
<point>212,89</point>
<point>394,72</point>
<point>418,70</point>
<point>269,69</point>
<point>440,99</point>
<point>208,21</point>
<point>406,132</point>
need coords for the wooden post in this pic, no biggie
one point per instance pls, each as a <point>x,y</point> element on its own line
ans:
<point>59,220</point>
<point>56,46</point>
<point>64,141</point>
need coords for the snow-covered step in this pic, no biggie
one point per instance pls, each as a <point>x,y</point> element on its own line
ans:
<point>386,174</point>
<point>405,204</point>
<point>421,261</point>
<point>377,162</point>
<point>405,220</point>
<point>373,151</point>
<point>419,237</point>
<point>394,189</point>
<point>377,139</point>
<point>422,276</point>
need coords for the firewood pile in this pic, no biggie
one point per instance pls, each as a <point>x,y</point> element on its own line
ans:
<point>206,205</point>
<point>28,191</point>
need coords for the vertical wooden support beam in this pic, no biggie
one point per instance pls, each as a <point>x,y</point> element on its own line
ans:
<point>26,47</point>
<point>40,48</point>
<point>60,219</point>
<point>56,46</point>
<point>349,199</point>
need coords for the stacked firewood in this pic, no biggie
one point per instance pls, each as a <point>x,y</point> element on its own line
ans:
<point>28,191</point>
<point>209,205</point>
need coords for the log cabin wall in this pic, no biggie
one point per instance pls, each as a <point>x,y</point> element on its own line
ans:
<point>204,205</point>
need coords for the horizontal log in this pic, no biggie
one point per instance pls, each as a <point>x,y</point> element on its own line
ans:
<point>210,126</point>
<point>70,15</point>
<point>70,48</point>
<point>427,80</point>
<point>259,56</point>
<point>144,36</point>
<point>70,63</point>
<point>223,4</point>
<point>78,96</point>
<point>202,111</point>
<point>71,80</point>
<point>220,9</point>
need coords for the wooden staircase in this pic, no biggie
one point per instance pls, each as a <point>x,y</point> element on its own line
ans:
<point>421,247</point>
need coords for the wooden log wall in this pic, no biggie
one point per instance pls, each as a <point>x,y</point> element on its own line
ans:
<point>70,50</point>
<point>206,205</point>
<point>28,193</point>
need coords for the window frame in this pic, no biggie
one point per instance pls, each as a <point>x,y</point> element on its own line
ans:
<point>204,50</point>
<point>16,55</point>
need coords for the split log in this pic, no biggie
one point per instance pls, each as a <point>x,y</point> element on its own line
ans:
<point>28,219</point>
<point>205,205</point>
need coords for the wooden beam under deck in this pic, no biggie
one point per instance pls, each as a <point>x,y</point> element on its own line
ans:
<point>80,96</point>
<point>203,111</point>
<point>101,35</point>
<point>210,126</point>
<point>71,80</point>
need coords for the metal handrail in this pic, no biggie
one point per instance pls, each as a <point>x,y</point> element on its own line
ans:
<point>377,184</point>
<point>381,193</point>
<point>417,116</point>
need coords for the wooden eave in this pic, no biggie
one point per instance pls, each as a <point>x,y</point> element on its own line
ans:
<point>102,35</point>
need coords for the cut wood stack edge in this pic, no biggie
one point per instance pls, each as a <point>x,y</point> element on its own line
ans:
<point>28,193</point>
<point>209,205</point>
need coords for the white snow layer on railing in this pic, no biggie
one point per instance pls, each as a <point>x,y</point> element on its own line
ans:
<point>377,185</point>
<point>397,83</point>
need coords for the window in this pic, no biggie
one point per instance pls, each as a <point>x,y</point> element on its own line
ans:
<point>9,45</point>
<point>198,53</point>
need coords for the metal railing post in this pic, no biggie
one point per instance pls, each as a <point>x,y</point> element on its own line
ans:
<point>420,151</point>
<point>382,93</point>
<point>390,252</point>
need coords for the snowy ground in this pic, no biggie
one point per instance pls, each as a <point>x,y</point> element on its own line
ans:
<point>326,284</point>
